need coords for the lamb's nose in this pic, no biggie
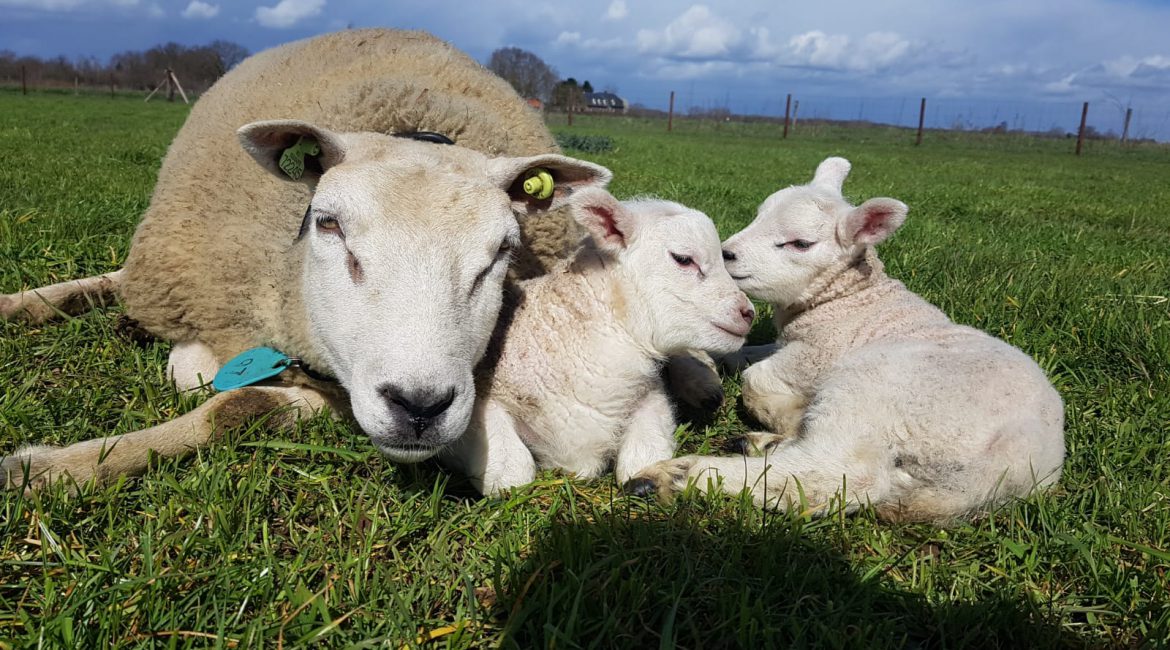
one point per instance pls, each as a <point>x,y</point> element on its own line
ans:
<point>728,255</point>
<point>748,312</point>
<point>419,406</point>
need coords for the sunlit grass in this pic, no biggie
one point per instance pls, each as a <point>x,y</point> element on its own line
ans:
<point>255,545</point>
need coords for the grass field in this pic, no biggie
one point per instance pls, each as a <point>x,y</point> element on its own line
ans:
<point>271,541</point>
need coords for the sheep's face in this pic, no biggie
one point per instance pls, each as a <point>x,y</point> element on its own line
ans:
<point>669,256</point>
<point>405,249</point>
<point>803,232</point>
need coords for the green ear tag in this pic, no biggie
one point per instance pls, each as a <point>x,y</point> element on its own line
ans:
<point>292,161</point>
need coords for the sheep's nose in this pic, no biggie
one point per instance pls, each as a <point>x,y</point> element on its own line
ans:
<point>728,255</point>
<point>420,407</point>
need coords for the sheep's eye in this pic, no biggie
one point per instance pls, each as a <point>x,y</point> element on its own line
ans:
<point>683,260</point>
<point>328,224</point>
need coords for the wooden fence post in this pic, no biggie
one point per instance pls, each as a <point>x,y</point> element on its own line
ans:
<point>795,113</point>
<point>921,121</point>
<point>670,114</point>
<point>787,111</point>
<point>1081,131</point>
<point>23,80</point>
<point>1125,131</point>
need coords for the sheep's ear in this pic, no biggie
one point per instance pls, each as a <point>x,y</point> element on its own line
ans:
<point>831,173</point>
<point>873,221</point>
<point>291,149</point>
<point>542,183</point>
<point>609,222</point>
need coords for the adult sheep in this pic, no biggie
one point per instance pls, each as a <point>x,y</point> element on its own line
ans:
<point>390,281</point>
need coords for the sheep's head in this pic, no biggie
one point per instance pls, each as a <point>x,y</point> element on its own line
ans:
<point>668,256</point>
<point>802,232</point>
<point>406,245</point>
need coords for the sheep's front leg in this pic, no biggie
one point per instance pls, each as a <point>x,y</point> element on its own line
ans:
<point>69,298</point>
<point>104,459</point>
<point>491,452</point>
<point>649,437</point>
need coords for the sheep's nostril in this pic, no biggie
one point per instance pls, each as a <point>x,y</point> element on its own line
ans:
<point>748,314</point>
<point>728,255</point>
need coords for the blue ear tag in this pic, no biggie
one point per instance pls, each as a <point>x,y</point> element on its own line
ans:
<point>250,367</point>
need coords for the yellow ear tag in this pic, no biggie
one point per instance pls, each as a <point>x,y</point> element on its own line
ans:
<point>539,183</point>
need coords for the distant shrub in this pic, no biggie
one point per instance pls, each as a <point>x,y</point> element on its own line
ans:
<point>585,143</point>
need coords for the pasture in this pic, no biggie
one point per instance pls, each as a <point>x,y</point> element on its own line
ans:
<point>271,540</point>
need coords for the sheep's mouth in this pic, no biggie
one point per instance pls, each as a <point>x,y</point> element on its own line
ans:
<point>408,453</point>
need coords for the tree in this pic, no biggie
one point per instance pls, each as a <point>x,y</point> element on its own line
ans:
<point>528,74</point>
<point>567,95</point>
<point>229,54</point>
<point>586,87</point>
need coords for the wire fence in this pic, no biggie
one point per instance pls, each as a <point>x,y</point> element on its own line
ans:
<point>1106,118</point>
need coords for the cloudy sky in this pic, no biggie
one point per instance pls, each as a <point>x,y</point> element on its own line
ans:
<point>1026,62</point>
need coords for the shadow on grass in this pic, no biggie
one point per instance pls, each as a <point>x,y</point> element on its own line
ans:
<point>700,582</point>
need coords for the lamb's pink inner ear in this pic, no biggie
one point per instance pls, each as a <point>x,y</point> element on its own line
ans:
<point>602,224</point>
<point>875,220</point>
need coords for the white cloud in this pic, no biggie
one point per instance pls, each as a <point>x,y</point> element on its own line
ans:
<point>287,13</point>
<point>63,5</point>
<point>200,10</point>
<point>1126,73</point>
<point>874,51</point>
<point>617,10</point>
<point>696,34</point>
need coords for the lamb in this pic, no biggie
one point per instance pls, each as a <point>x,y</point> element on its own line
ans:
<point>223,260</point>
<point>573,381</point>
<point>870,390</point>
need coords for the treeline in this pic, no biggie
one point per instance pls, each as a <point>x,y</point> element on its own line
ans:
<point>196,67</point>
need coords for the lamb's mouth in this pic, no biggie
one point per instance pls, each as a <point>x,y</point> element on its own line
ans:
<point>737,331</point>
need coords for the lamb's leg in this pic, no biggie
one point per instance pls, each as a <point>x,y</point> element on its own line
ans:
<point>772,397</point>
<point>491,453</point>
<point>649,437</point>
<point>793,476</point>
<point>192,365</point>
<point>694,380</point>
<point>746,356</point>
<point>69,298</point>
<point>104,459</point>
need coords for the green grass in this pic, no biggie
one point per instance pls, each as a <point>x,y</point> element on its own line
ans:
<point>258,543</point>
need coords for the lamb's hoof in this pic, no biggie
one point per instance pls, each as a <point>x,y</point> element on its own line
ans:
<point>738,445</point>
<point>641,487</point>
<point>759,443</point>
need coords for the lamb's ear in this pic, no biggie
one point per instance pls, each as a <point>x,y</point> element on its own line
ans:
<point>542,183</point>
<point>291,149</point>
<point>609,222</point>
<point>873,221</point>
<point>831,173</point>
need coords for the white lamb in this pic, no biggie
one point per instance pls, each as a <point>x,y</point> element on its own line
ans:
<point>575,383</point>
<point>874,395</point>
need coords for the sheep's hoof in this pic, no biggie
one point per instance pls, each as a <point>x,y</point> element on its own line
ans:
<point>641,487</point>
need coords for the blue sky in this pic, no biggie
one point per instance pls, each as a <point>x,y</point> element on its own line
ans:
<point>1026,62</point>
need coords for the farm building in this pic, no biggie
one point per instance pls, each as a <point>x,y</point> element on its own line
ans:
<point>605,102</point>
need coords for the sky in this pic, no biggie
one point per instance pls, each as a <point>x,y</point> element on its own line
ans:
<point>1029,63</point>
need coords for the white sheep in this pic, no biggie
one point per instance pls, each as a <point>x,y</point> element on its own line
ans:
<point>874,395</point>
<point>383,267</point>
<point>575,382</point>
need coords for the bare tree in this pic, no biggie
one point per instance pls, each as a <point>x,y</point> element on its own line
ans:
<point>528,74</point>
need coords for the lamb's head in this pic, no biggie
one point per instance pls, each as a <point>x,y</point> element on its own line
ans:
<point>679,295</point>
<point>804,232</point>
<point>405,246</point>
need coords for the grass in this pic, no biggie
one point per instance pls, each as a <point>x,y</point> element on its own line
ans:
<point>282,540</point>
